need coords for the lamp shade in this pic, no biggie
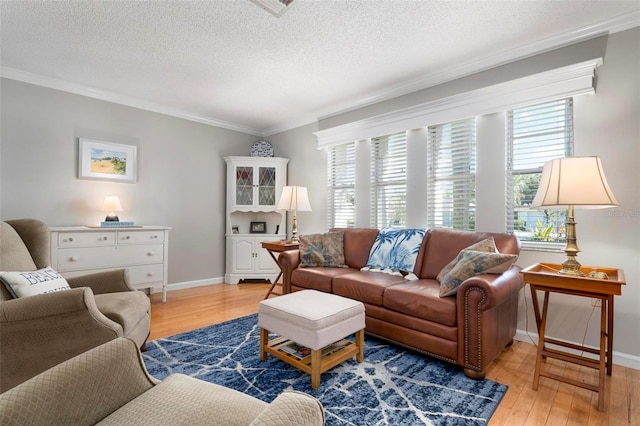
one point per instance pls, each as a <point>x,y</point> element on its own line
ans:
<point>574,181</point>
<point>294,198</point>
<point>111,204</point>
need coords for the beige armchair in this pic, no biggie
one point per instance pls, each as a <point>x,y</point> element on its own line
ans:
<point>109,385</point>
<point>38,332</point>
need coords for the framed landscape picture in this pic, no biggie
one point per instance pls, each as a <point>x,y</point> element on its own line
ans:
<point>106,161</point>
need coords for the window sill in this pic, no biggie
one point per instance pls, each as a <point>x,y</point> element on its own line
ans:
<point>542,246</point>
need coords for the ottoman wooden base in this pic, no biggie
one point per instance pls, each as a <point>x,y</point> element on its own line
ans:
<point>314,364</point>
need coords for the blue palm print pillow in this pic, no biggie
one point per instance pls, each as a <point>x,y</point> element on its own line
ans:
<point>395,250</point>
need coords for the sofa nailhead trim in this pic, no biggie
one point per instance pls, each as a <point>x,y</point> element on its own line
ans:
<point>467,363</point>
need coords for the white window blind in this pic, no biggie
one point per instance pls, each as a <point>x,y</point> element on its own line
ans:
<point>536,134</point>
<point>341,172</point>
<point>451,158</point>
<point>389,181</point>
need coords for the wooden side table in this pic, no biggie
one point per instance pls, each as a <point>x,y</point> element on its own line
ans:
<point>277,247</point>
<point>544,277</point>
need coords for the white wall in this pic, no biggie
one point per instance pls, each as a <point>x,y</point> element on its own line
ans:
<point>607,124</point>
<point>181,175</point>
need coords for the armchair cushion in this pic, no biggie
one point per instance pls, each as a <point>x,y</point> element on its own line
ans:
<point>125,308</point>
<point>30,283</point>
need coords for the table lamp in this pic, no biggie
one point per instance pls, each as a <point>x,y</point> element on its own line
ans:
<point>111,204</point>
<point>573,182</point>
<point>294,198</point>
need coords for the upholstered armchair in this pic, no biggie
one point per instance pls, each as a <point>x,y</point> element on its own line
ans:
<point>40,331</point>
<point>109,385</point>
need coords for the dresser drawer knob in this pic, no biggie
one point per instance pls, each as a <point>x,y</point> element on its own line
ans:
<point>149,274</point>
<point>73,258</point>
<point>155,236</point>
<point>70,239</point>
<point>150,253</point>
<point>127,237</point>
<point>105,238</point>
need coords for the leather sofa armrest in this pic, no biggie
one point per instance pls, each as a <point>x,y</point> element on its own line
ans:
<point>497,288</point>
<point>82,390</point>
<point>288,261</point>
<point>291,408</point>
<point>103,282</point>
<point>487,309</point>
<point>38,332</point>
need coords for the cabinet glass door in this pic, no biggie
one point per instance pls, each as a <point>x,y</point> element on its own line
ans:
<point>267,186</point>
<point>244,186</point>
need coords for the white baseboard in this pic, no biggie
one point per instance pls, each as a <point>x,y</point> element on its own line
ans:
<point>189,284</point>
<point>619,358</point>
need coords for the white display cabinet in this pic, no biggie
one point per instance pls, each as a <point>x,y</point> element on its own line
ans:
<point>254,185</point>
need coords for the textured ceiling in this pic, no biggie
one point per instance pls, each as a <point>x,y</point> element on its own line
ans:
<point>231,63</point>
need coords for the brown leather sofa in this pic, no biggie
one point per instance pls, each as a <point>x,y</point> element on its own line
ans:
<point>469,329</point>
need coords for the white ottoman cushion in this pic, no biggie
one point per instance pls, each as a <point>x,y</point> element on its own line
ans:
<point>311,318</point>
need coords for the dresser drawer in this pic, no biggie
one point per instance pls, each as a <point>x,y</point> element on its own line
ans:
<point>83,239</point>
<point>146,273</point>
<point>70,259</point>
<point>137,237</point>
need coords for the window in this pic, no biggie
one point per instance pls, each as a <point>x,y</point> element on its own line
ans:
<point>389,181</point>
<point>536,134</point>
<point>341,172</point>
<point>451,157</point>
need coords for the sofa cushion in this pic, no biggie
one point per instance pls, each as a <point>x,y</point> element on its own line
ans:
<point>326,250</point>
<point>443,245</point>
<point>395,250</point>
<point>31,283</point>
<point>357,243</point>
<point>317,278</point>
<point>364,286</point>
<point>126,308</point>
<point>421,299</point>
<point>467,264</point>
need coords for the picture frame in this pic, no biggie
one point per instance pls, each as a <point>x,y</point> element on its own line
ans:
<point>258,228</point>
<point>235,229</point>
<point>102,160</point>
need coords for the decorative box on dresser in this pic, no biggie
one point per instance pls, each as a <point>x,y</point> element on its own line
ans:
<point>143,251</point>
<point>254,185</point>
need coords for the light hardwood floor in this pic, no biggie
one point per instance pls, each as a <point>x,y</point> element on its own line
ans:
<point>554,403</point>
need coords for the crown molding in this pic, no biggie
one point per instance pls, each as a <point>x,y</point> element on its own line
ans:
<point>610,26</point>
<point>78,89</point>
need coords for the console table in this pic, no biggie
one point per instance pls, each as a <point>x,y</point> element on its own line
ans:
<point>277,247</point>
<point>143,251</point>
<point>544,277</point>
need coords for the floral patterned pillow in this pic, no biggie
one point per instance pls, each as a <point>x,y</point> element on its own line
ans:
<point>322,250</point>
<point>395,250</point>
<point>467,264</point>
<point>486,245</point>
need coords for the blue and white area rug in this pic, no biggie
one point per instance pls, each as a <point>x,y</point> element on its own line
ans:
<point>391,387</point>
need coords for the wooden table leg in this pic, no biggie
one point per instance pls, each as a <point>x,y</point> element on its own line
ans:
<point>609,304</point>
<point>603,354</point>
<point>360,345</point>
<point>316,361</point>
<point>264,341</point>
<point>541,331</point>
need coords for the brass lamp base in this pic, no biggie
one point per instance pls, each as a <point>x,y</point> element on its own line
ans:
<point>571,266</point>
<point>294,230</point>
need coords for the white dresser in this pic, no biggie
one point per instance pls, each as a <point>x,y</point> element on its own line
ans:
<point>143,251</point>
